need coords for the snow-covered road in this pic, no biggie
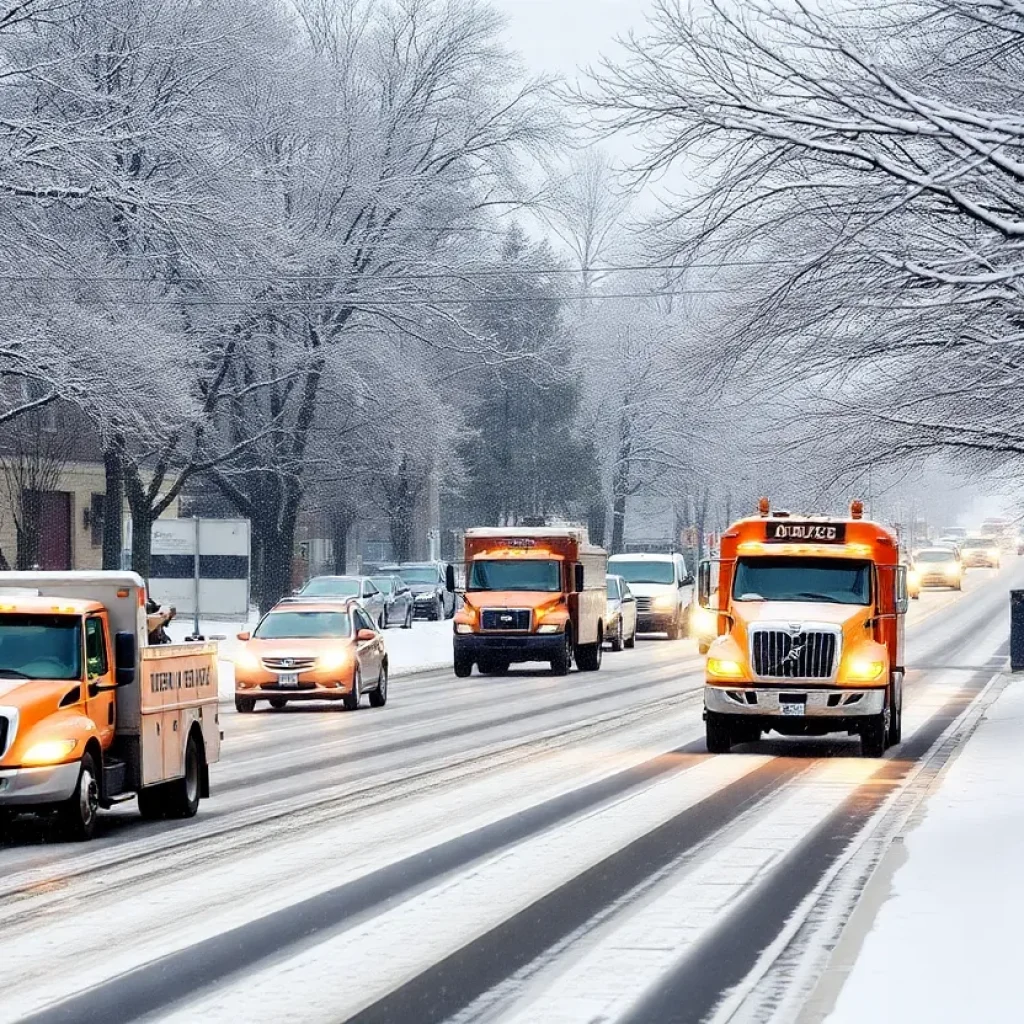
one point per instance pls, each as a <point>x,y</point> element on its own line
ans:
<point>516,849</point>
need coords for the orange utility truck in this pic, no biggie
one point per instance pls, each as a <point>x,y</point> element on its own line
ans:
<point>532,594</point>
<point>90,715</point>
<point>811,617</point>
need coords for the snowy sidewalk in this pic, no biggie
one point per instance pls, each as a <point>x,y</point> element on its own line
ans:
<point>945,945</point>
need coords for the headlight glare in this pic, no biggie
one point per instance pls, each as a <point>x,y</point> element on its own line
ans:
<point>865,669</point>
<point>48,751</point>
<point>550,627</point>
<point>333,660</point>
<point>724,667</point>
<point>463,628</point>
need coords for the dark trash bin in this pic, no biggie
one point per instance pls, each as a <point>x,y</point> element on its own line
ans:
<point>1017,630</point>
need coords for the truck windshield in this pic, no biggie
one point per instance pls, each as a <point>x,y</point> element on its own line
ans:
<point>506,574</point>
<point>828,580</point>
<point>40,647</point>
<point>644,572</point>
<point>304,626</point>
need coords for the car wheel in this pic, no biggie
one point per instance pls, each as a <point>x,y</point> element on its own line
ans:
<point>675,630</point>
<point>631,642</point>
<point>353,698</point>
<point>77,815</point>
<point>278,702</point>
<point>379,694</point>
<point>439,610</point>
<point>245,705</point>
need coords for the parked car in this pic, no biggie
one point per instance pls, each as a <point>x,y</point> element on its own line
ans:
<point>620,619</point>
<point>939,567</point>
<point>981,553</point>
<point>663,588</point>
<point>312,650</point>
<point>360,589</point>
<point>399,605</point>
<point>432,585</point>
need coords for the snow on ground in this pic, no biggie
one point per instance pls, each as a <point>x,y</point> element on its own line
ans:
<point>945,946</point>
<point>427,646</point>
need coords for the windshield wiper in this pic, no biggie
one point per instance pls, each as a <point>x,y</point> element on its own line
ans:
<point>813,595</point>
<point>13,673</point>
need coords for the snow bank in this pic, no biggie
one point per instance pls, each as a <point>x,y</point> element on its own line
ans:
<point>946,944</point>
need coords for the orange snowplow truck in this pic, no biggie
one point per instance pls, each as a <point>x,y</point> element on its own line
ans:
<point>532,594</point>
<point>811,616</point>
<point>89,714</point>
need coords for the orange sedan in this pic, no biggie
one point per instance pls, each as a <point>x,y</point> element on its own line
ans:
<point>312,650</point>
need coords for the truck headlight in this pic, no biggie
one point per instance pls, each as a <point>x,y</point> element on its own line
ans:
<point>463,627</point>
<point>48,751</point>
<point>865,669</point>
<point>663,604</point>
<point>724,667</point>
<point>550,627</point>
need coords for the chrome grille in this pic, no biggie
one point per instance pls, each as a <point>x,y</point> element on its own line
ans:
<point>5,729</point>
<point>782,654</point>
<point>516,620</point>
<point>643,604</point>
<point>288,664</point>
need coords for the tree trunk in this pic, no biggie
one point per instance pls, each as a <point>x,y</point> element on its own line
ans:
<point>620,484</point>
<point>341,525</point>
<point>142,540</point>
<point>113,508</point>
<point>27,530</point>
<point>275,538</point>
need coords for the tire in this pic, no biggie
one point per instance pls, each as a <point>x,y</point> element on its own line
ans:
<point>408,618</point>
<point>619,643</point>
<point>245,705</point>
<point>561,664</point>
<point>439,610</point>
<point>379,694</point>
<point>896,714</point>
<point>703,648</point>
<point>353,699</point>
<point>675,631</point>
<point>463,666</point>
<point>588,656</point>
<point>77,815</point>
<point>278,703</point>
<point>382,622</point>
<point>746,733</point>
<point>181,796</point>
<point>915,597</point>
<point>874,735</point>
<point>717,733</point>
<point>631,642</point>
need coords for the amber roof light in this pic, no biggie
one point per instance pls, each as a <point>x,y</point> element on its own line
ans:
<point>856,509</point>
<point>764,506</point>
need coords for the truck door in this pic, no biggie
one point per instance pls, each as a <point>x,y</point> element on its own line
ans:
<point>99,703</point>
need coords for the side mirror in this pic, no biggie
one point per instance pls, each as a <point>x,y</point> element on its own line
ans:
<point>578,577</point>
<point>245,636</point>
<point>449,578</point>
<point>126,650</point>
<point>365,635</point>
<point>687,580</point>
<point>704,585</point>
<point>629,599</point>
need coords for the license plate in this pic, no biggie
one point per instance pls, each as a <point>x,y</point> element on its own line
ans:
<point>789,708</point>
<point>288,679</point>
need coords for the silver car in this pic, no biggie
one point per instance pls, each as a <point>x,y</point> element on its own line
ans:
<point>399,604</point>
<point>361,589</point>
<point>620,620</point>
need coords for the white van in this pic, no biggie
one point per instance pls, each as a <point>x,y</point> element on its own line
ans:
<point>663,587</point>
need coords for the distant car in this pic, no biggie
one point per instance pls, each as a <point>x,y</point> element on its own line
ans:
<point>432,585</point>
<point>939,567</point>
<point>950,542</point>
<point>360,589</point>
<point>663,588</point>
<point>312,650</point>
<point>981,553</point>
<point>913,580</point>
<point>399,605</point>
<point>956,533</point>
<point>620,618</point>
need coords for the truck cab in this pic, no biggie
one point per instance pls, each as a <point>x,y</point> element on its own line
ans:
<point>811,614</point>
<point>90,715</point>
<point>532,594</point>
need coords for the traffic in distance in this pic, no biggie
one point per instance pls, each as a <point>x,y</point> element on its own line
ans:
<point>802,619</point>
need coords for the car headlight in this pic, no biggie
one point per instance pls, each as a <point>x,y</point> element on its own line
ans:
<point>550,627</point>
<point>663,604</point>
<point>463,627</point>
<point>865,669</point>
<point>48,751</point>
<point>994,553</point>
<point>724,667</point>
<point>247,661</point>
<point>333,660</point>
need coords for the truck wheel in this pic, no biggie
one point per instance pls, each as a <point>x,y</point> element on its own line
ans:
<point>717,734</point>
<point>873,735</point>
<point>181,796</point>
<point>561,664</point>
<point>353,698</point>
<point>588,656</point>
<point>463,666</point>
<point>76,816</point>
<point>379,694</point>
<point>703,648</point>
<point>896,713</point>
<point>674,630</point>
<point>278,702</point>
<point>631,642</point>
<point>619,641</point>
<point>152,806</point>
<point>245,705</point>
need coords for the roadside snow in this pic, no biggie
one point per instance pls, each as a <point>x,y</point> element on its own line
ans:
<point>946,944</point>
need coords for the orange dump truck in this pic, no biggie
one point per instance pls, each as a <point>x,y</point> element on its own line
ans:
<point>89,714</point>
<point>810,619</point>
<point>532,594</point>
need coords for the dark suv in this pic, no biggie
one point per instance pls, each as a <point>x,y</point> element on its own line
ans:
<point>432,585</point>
